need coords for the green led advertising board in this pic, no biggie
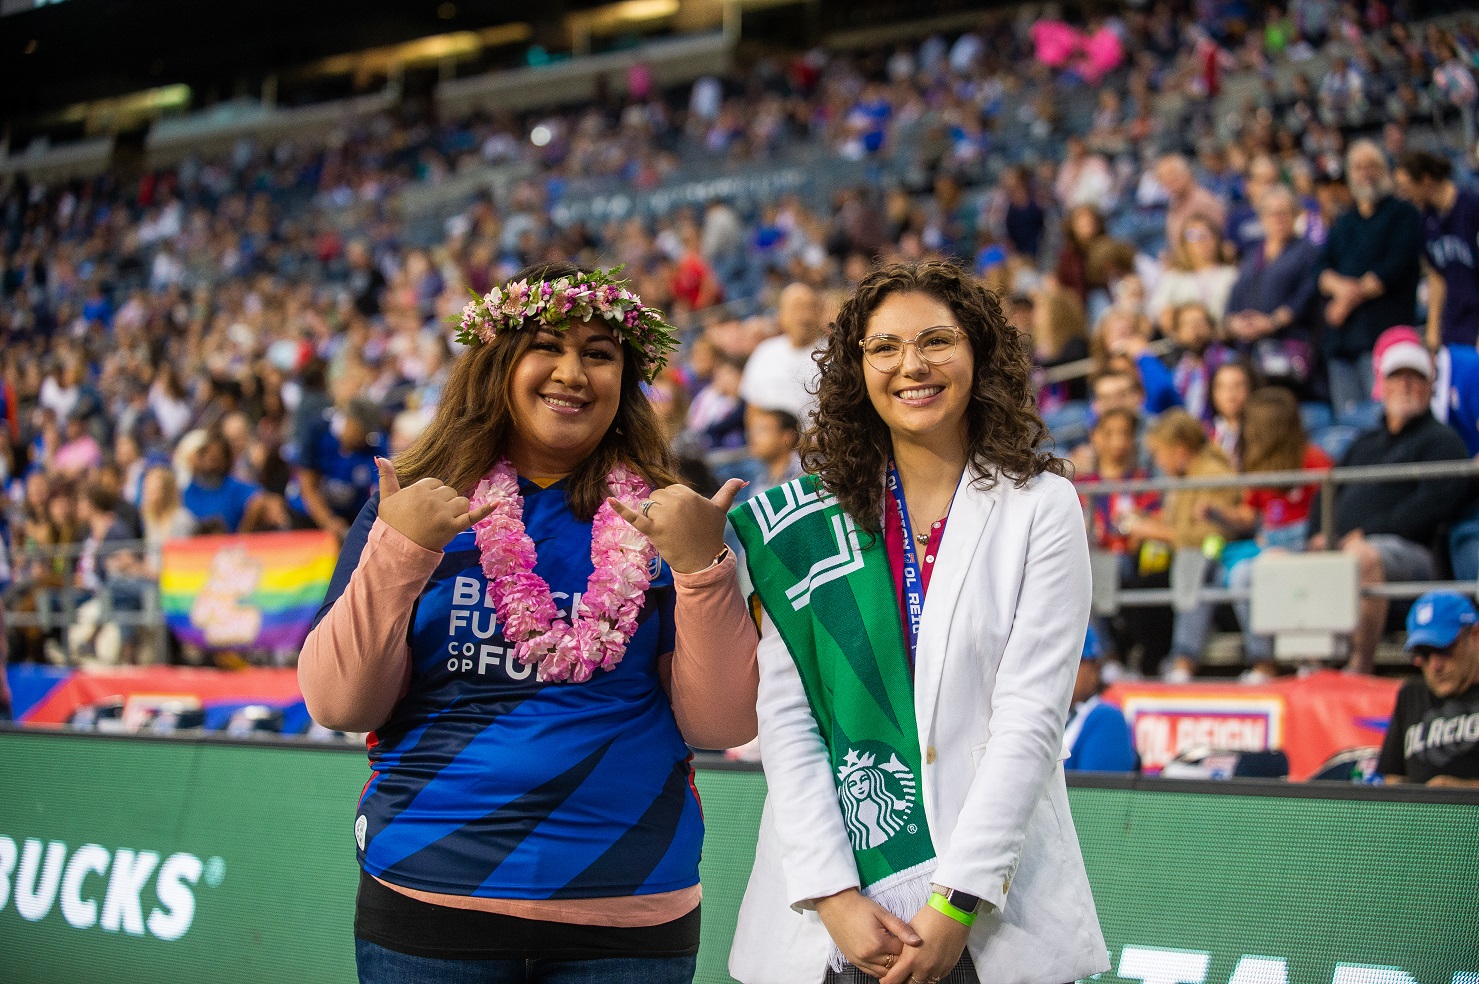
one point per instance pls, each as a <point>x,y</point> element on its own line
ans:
<point>133,860</point>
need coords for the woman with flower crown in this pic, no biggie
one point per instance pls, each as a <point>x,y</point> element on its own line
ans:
<point>534,622</point>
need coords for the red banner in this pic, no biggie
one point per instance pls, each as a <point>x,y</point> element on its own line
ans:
<point>1311,718</point>
<point>150,685</point>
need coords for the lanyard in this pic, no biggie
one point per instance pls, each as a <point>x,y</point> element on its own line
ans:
<point>913,581</point>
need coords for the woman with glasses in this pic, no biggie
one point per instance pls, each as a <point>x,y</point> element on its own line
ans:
<point>1197,274</point>
<point>925,595</point>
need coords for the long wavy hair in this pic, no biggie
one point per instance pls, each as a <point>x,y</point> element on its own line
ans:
<point>474,420</point>
<point>849,445</point>
<point>1272,437</point>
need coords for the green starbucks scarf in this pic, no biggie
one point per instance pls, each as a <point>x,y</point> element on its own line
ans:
<point>833,601</point>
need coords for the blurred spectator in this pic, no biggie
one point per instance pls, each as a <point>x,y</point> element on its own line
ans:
<point>1097,735</point>
<point>1122,343</point>
<point>772,437</point>
<point>1117,458</point>
<point>163,515</point>
<point>218,500</point>
<point>1245,223</point>
<point>1369,270</point>
<point>781,372</point>
<point>1181,450</point>
<point>1454,83</point>
<point>1025,219</point>
<point>366,282</point>
<point>1197,274</point>
<point>78,453</point>
<point>1276,519</point>
<point>1059,336</point>
<point>334,469</point>
<point>1083,238</point>
<point>1084,177</point>
<point>1342,94</point>
<point>102,531</point>
<point>1389,526</point>
<point>1451,234</point>
<point>1270,307</point>
<point>1232,382</point>
<point>1431,737</point>
<point>1185,198</point>
<point>717,415</point>
<point>1196,357</point>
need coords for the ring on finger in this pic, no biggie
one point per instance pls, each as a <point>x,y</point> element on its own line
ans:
<point>888,962</point>
<point>645,505</point>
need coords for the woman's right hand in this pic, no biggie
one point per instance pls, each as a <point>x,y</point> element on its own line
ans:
<point>869,936</point>
<point>428,513</point>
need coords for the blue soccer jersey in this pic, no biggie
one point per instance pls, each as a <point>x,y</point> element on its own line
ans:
<point>487,782</point>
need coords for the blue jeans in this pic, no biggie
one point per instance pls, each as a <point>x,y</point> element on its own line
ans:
<point>1189,634</point>
<point>379,965</point>
<point>1350,387</point>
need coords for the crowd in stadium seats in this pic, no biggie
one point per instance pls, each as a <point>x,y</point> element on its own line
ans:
<point>1205,220</point>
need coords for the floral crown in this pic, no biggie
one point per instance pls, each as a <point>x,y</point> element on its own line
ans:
<point>562,302</point>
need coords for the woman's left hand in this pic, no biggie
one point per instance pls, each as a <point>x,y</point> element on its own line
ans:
<point>944,942</point>
<point>686,528</point>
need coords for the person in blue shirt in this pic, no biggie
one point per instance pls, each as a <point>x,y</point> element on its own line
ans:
<point>334,469</point>
<point>219,501</point>
<point>534,658</point>
<point>1097,735</point>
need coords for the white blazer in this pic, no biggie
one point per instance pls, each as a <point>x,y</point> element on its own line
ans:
<point>999,644</point>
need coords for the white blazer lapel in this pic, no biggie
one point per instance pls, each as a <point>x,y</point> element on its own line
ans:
<point>963,533</point>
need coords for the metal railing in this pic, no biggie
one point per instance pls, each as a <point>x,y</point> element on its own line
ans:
<point>55,606</point>
<point>1081,368</point>
<point>1182,595</point>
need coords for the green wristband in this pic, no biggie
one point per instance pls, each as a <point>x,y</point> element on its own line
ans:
<point>941,905</point>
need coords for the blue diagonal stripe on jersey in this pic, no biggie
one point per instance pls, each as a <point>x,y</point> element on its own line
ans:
<point>470,784</point>
<point>475,848</point>
<point>634,857</point>
<point>589,822</point>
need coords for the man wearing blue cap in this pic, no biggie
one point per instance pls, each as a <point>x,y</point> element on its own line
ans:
<point>1433,736</point>
<point>1097,735</point>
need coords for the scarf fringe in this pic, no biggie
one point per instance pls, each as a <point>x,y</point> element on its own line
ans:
<point>902,893</point>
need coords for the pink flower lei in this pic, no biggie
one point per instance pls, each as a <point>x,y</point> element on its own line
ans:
<point>596,637</point>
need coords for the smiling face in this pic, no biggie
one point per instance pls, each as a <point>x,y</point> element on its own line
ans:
<point>918,401</point>
<point>563,395</point>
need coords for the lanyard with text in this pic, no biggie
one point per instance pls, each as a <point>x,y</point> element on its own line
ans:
<point>913,581</point>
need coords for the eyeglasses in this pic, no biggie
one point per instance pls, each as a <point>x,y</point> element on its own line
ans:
<point>934,345</point>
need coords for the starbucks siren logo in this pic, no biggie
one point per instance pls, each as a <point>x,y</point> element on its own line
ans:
<point>876,799</point>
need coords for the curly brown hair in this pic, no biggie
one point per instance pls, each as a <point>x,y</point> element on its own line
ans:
<point>848,444</point>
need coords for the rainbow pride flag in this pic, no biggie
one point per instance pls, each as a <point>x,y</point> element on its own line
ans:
<point>258,590</point>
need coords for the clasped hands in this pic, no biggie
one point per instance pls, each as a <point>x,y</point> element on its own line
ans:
<point>879,943</point>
